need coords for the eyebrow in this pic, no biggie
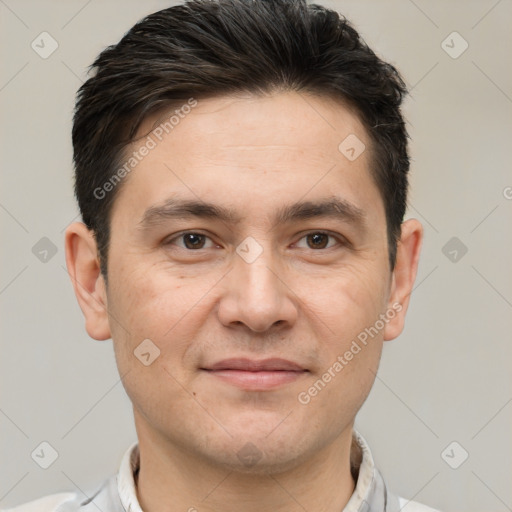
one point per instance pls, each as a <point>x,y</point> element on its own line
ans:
<point>174,208</point>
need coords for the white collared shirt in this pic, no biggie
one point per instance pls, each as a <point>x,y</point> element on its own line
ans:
<point>118,493</point>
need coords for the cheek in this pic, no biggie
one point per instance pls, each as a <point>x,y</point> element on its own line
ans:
<point>164,309</point>
<point>146,300</point>
<point>160,305</point>
<point>350,351</point>
<point>344,310</point>
<point>346,301</point>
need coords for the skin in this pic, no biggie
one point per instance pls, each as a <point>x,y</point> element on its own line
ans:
<point>295,301</point>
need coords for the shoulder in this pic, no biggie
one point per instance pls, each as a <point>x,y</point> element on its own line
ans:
<point>50,503</point>
<point>413,506</point>
<point>104,498</point>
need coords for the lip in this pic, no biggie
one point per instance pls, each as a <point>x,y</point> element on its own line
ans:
<point>252,365</point>
<point>256,375</point>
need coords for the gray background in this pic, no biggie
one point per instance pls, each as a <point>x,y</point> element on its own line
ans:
<point>447,378</point>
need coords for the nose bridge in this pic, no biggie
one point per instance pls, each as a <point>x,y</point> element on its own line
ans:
<point>257,297</point>
<point>260,278</point>
<point>254,264</point>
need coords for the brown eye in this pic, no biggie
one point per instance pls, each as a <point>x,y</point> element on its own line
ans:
<point>318,240</point>
<point>191,240</point>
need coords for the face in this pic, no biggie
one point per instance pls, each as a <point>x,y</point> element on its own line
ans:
<point>252,253</point>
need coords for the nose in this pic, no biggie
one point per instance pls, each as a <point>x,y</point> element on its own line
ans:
<point>257,295</point>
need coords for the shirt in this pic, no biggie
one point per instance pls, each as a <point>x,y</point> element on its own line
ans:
<point>118,493</point>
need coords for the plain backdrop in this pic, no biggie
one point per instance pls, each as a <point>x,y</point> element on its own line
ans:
<point>446,379</point>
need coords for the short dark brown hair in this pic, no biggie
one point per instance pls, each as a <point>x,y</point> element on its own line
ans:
<point>208,48</point>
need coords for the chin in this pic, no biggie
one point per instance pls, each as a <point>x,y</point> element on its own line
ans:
<point>259,451</point>
<point>254,459</point>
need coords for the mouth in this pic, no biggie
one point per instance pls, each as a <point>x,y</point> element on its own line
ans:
<point>256,375</point>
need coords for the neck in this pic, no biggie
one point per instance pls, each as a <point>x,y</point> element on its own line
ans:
<point>171,478</point>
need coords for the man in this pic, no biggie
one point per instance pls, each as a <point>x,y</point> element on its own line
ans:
<point>241,171</point>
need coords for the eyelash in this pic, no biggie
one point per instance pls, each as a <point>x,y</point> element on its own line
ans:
<point>341,241</point>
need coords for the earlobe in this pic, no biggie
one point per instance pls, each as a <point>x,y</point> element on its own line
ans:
<point>404,275</point>
<point>84,270</point>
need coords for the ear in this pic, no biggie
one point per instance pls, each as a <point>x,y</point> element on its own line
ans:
<point>84,269</point>
<point>404,275</point>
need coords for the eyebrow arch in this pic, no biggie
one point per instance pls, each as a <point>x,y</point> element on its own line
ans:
<point>183,209</point>
<point>174,208</point>
<point>336,208</point>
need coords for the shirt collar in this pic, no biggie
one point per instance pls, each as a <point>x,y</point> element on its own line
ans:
<point>370,493</point>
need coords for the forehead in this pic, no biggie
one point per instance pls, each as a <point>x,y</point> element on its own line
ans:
<point>276,119</point>
<point>258,149</point>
